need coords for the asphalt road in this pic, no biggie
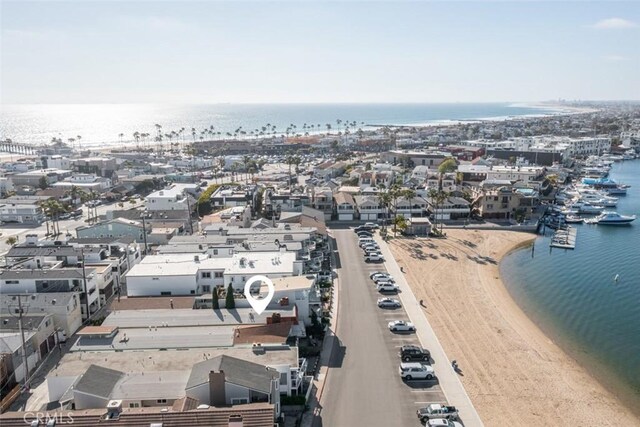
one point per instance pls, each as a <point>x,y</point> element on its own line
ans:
<point>363,387</point>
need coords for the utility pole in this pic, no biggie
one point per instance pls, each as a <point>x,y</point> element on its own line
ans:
<point>144,234</point>
<point>84,281</point>
<point>189,212</point>
<point>21,329</point>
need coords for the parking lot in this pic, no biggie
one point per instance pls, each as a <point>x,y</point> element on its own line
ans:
<point>365,388</point>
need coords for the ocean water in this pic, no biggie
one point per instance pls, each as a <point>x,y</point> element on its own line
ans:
<point>573,297</point>
<point>100,124</point>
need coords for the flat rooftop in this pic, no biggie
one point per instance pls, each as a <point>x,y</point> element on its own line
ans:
<point>158,337</point>
<point>76,363</point>
<point>179,318</point>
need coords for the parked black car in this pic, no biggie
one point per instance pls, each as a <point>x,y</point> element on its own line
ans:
<point>413,352</point>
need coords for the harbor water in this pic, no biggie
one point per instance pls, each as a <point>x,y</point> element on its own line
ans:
<point>574,297</point>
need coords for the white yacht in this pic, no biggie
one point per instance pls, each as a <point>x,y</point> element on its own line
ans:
<point>612,218</point>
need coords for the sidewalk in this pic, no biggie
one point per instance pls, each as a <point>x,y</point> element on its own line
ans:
<point>447,378</point>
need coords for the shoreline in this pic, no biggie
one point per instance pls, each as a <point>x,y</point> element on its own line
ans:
<point>553,110</point>
<point>511,367</point>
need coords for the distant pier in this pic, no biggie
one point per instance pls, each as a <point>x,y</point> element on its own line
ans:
<point>17,148</point>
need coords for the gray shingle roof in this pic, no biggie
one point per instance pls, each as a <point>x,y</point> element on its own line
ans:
<point>56,273</point>
<point>99,381</point>
<point>237,371</point>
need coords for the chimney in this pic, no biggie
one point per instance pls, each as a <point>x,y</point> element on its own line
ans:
<point>217,395</point>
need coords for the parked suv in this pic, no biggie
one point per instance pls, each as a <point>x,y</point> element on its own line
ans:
<point>410,353</point>
<point>415,370</point>
<point>374,257</point>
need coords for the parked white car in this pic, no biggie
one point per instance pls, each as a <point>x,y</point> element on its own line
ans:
<point>388,303</point>
<point>383,279</point>
<point>416,371</point>
<point>372,225</point>
<point>378,273</point>
<point>387,287</point>
<point>441,422</point>
<point>374,257</point>
<point>401,326</point>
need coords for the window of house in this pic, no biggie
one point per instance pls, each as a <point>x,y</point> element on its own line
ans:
<point>206,288</point>
<point>134,405</point>
<point>215,252</point>
<point>161,401</point>
<point>155,278</point>
<point>193,291</point>
<point>206,275</point>
<point>239,400</point>
<point>283,378</point>
<point>12,282</point>
<point>165,293</point>
<point>217,274</point>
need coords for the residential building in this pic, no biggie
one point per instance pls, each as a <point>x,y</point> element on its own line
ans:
<point>64,308</point>
<point>323,201</point>
<point>33,177</point>
<point>345,206</point>
<point>86,182</point>
<point>172,198</point>
<point>21,212</point>
<point>369,208</point>
<point>101,166</point>
<point>415,207</point>
<point>234,195</point>
<point>118,227</point>
<point>412,158</point>
<point>452,208</point>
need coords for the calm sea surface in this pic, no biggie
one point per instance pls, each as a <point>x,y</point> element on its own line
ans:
<point>573,297</point>
<point>100,124</point>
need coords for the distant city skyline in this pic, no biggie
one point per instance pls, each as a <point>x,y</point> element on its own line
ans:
<point>317,52</point>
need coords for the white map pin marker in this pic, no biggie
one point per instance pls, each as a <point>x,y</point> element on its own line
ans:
<point>259,304</point>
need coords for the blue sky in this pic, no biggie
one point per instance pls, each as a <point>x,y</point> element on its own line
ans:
<point>217,51</point>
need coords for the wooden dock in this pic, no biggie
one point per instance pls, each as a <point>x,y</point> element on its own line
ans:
<point>564,238</point>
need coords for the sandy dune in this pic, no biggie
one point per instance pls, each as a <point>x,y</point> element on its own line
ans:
<point>513,373</point>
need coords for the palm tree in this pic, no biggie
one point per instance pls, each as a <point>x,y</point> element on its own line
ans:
<point>245,162</point>
<point>43,206</point>
<point>395,192</point>
<point>409,194</point>
<point>445,167</point>
<point>433,197</point>
<point>384,198</point>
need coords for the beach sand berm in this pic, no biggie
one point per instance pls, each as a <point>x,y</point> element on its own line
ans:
<point>514,374</point>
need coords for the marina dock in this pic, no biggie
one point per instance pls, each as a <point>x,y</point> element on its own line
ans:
<point>564,238</point>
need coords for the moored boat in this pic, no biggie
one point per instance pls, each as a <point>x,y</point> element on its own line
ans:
<point>612,218</point>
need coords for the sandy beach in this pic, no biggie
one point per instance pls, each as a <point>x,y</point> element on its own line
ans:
<point>514,374</point>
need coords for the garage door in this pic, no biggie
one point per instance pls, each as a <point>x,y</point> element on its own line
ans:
<point>345,217</point>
